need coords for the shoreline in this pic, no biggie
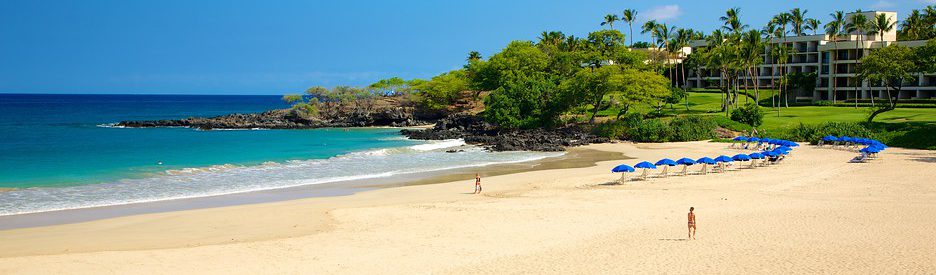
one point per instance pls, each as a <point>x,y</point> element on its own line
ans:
<point>574,158</point>
<point>833,215</point>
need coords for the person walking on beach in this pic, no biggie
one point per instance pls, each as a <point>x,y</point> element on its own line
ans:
<point>477,183</point>
<point>692,228</point>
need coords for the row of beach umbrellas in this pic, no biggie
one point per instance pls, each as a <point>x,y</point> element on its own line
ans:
<point>872,146</point>
<point>771,141</point>
<point>686,162</point>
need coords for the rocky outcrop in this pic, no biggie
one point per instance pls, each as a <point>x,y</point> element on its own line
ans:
<point>472,129</point>
<point>475,131</point>
<point>284,119</point>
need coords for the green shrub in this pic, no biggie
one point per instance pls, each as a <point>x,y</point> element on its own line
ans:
<point>729,124</point>
<point>749,114</point>
<point>813,132</point>
<point>613,129</point>
<point>632,120</point>
<point>689,128</point>
<point>651,130</point>
<point>823,103</point>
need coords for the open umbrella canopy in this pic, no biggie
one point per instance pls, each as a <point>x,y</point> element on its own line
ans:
<point>770,153</point>
<point>846,139</point>
<point>756,155</point>
<point>706,160</point>
<point>830,138</point>
<point>753,139</point>
<point>645,165</point>
<point>667,162</point>
<point>782,152</point>
<point>686,161</point>
<point>784,148</point>
<point>739,138</point>
<point>791,144</point>
<point>741,157</point>
<point>767,140</point>
<point>723,158</point>
<point>622,168</point>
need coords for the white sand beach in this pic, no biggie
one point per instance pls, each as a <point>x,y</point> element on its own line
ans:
<point>815,213</point>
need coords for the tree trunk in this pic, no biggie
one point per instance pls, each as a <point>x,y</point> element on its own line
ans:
<point>892,98</point>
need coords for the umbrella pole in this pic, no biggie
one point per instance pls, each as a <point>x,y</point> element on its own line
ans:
<point>704,167</point>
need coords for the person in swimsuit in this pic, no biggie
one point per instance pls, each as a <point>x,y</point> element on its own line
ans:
<point>692,228</point>
<point>477,184</point>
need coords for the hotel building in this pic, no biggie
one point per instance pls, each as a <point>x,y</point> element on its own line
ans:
<point>835,62</point>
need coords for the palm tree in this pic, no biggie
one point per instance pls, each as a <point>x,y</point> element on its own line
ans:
<point>473,56</point>
<point>813,25</point>
<point>663,34</point>
<point>834,30</point>
<point>751,49</point>
<point>551,38</point>
<point>797,20</point>
<point>732,21</point>
<point>781,20</point>
<point>648,26</point>
<point>912,28</point>
<point>629,16</point>
<point>880,25</point>
<point>609,20</point>
<point>857,24</point>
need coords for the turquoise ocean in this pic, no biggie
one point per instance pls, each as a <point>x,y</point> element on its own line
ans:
<point>61,152</point>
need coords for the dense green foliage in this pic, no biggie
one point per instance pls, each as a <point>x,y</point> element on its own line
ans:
<point>892,66</point>
<point>750,114</point>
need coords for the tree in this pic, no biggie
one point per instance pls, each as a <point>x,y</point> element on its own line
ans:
<point>891,66</point>
<point>880,25</point>
<point>442,90</point>
<point>527,101</point>
<point>798,21</point>
<point>834,30</point>
<point>605,45</point>
<point>857,23</point>
<point>751,47</point>
<point>629,16</point>
<point>813,25</point>
<point>641,87</point>
<point>750,114</point>
<point>609,20</point>
<point>732,21</point>
<point>473,56</point>
<point>593,85</point>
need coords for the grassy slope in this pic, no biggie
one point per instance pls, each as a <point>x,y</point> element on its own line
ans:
<point>709,104</point>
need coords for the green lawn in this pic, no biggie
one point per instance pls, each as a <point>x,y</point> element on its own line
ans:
<point>710,103</point>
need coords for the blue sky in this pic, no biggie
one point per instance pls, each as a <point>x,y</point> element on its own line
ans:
<point>277,47</point>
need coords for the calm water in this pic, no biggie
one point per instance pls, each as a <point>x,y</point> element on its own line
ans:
<point>58,152</point>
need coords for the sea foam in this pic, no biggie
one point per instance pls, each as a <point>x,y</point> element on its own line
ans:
<point>226,179</point>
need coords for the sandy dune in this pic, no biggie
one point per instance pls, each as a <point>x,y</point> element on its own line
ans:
<point>815,213</point>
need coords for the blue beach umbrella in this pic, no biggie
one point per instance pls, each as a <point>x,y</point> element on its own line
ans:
<point>622,168</point>
<point>667,162</point>
<point>741,157</point>
<point>830,138</point>
<point>768,140</point>
<point>645,165</point>
<point>756,155</point>
<point>723,158</point>
<point>706,160</point>
<point>771,154</point>
<point>753,139</point>
<point>740,138</point>
<point>845,139</point>
<point>781,152</point>
<point>783,148</point>
<point>686,161</point>
<point>792,144</point>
